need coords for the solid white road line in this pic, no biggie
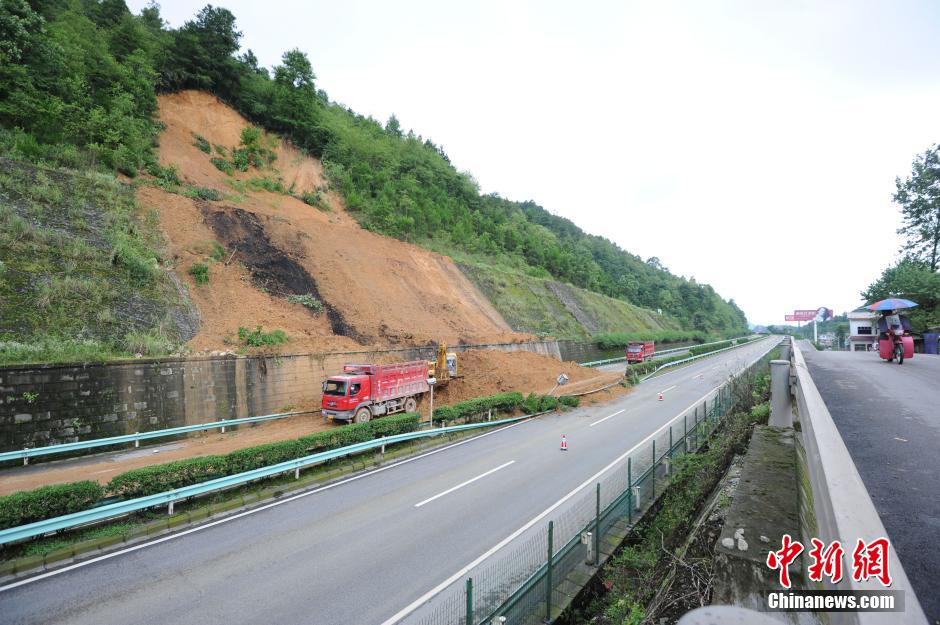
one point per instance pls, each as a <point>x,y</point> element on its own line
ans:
<point>605,418</point>
<point>280,502</point>
<point>417,603</point>
<point>668,389</point>
<point>462,484</point>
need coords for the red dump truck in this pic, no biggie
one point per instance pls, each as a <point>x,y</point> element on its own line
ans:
<point>366,391</point>
<point>638,351</point>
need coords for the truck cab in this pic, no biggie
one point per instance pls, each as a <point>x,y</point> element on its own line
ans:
<point>639,351</point>
<point>343,394</point>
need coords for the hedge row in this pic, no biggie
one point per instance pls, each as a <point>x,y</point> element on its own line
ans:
<point>504,402</point>
<point>615,340</point>
<point>642,368</point>
<point>48,501</point>
<point>704,349</point>
<point>52,501</point>
<point>163,477</point>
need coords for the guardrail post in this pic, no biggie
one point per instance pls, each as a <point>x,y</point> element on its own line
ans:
<point>781,410</point>
<point>169,508</point>
<point>548,572</point>
<point>685,431</point>
<point>297,473</point>
<point>469,601</point>
<point>629,492</point>
<point>136,440</point>
<point>26,457</point>
<point>653,469</point>
<point>597,526</point>
<point>383,445</point>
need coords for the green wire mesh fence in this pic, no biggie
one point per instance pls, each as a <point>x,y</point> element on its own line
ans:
<point>526,581</point>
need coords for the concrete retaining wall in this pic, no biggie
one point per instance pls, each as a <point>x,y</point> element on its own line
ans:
<point>53,404</point>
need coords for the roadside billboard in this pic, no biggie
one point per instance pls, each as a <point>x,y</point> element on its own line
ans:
<point>815,314</point>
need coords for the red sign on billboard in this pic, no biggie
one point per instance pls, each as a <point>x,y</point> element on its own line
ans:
<point>808,315</point>
<point>803,315</point>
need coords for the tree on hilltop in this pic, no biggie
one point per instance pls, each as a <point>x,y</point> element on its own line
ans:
<point>919,198</point>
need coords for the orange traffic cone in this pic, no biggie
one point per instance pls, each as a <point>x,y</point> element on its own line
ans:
<point>564,443</point>
<point>660,397</point>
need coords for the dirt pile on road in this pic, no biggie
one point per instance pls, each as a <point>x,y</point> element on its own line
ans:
<point>485,372</point>
<point>375,290</point>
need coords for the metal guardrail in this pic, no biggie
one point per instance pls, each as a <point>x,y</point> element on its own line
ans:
<point>597,363</point>
<point>843,508</point>
<point>136,437</point>
<point>119,508</point>
<point>699,356</point>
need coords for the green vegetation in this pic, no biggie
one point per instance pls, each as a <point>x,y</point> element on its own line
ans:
<point>51,501</point>
<point>217,253</point>
<point>704,349</point>
<point>78,83</point>
<point>919,199</point>
<point>315,199</point>
<point>259,338</point>
<point>202,143</point>
<point>568,400</point>
<point>501,402</point>
<point>200,273</point>
<point>82,275</point>
<point>202,193</point>
<point>550,308</point>
<point>913,280</point>
<point>915,276</point>
<point>308,300</point>
<point>162,477</point>
<point>223,165</point>
<point>619,340</point>
<point>539,403</point>
<point>48,501</point>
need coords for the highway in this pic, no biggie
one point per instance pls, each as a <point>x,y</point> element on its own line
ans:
<point>374,546</point>
<point>620,366</point>
<point>889,419</point>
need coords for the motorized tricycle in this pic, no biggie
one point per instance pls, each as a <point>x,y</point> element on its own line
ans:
<point>896,345</point>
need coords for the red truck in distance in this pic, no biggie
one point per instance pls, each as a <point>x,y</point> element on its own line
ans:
<point>366,391</point>
<point>638,351</point>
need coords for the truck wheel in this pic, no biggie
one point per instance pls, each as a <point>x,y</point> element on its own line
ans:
<point>411,405</point>
<point>363,415</point>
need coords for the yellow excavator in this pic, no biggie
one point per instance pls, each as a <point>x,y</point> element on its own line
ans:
<point>445,367</point>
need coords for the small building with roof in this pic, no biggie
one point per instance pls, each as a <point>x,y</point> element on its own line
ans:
<point>863,331</point>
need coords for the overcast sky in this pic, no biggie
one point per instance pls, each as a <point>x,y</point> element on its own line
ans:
<point>751,145</point>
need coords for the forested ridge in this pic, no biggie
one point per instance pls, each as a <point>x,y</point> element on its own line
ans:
<point>78,85</point>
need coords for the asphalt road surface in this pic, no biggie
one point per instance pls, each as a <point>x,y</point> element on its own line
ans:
<point>889,417</point>
<point>363,550</point>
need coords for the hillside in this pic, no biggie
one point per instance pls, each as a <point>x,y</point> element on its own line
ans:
<point>289,238</point>
<point>542,306</point>
<point>374,290</point>
<point>81,271</point>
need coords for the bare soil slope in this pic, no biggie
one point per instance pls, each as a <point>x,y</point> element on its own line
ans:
<point>484,372</point>
<point>377,290</point>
